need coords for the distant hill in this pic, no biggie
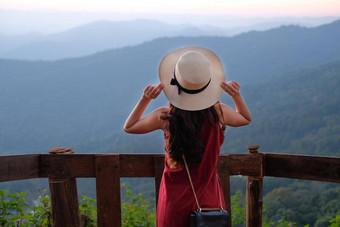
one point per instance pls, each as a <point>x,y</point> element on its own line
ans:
<point>52,21</point>
<point>103,35</point>
<point>93,37</point>
<point>75,101</point>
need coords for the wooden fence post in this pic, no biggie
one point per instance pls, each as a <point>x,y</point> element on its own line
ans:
<point>64,197</point>
<point>108,190</point>
<point>254,195</point>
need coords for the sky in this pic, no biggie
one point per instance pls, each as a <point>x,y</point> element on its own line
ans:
<point>248,8</point>
<point>52,16</point>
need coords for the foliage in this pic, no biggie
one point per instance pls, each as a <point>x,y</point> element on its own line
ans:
<point>335,222</point>
<point>14,211</point>
<point>284,223</point>
<point>88,210</point>
<point>303,206</point>
<point>41,213</point>
<point>279,197</point>
<point>238,209</point>
<point>12,208</point>
<point>238,213</point>
<point>136,210</point>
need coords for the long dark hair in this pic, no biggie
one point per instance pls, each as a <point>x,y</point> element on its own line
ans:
<point>185,127</point>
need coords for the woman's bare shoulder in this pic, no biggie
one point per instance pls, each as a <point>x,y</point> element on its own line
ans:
<point>222,111</point>
<point>219,105</point>
<point>162,112</point>
<point>219,108</point>
<point>163,109</point>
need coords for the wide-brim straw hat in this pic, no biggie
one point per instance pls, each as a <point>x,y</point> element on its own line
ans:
<point>191,77</point>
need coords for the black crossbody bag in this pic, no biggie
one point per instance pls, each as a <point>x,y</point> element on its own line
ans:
<point>205,217</point>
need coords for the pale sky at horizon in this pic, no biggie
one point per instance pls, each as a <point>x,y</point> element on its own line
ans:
<point>227,7</point>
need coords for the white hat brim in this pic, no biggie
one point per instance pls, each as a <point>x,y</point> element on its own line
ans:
<point>191,102</point>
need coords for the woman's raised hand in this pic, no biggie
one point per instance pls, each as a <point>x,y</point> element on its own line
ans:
<point>152,91</point>
<point>231,87</point>
<point>135,123</point>
<point>242,115</point>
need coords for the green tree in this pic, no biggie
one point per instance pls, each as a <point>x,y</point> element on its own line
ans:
<point>238,209</point>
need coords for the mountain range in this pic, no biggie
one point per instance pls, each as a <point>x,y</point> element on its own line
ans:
<point>83,102</point>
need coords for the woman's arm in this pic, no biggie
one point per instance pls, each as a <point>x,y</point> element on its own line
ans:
<point>138,125</point>
<point>242,114</point>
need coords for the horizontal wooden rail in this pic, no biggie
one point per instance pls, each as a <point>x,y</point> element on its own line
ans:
<point>302,167</point>
<point>132,165</point>
<point>20,167</point>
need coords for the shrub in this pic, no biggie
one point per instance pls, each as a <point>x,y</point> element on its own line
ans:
<point>14,212</point>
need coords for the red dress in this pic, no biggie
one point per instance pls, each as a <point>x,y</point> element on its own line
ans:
<point>176,199</point>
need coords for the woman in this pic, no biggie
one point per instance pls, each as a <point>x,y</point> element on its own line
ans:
<point>193,80</point>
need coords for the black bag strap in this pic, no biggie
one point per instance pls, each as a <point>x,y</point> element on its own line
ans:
<point>193,189</point>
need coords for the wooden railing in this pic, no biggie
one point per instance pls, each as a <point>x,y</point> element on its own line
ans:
<point>63,169</point>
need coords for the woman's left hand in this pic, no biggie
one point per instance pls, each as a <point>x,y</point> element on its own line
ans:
<point>231,87</point>
<point>152,91</point>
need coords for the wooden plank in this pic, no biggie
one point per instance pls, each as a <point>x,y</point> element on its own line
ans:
<point>254,202</point>
<point>70,165</point>
<point>244,164</point>
<point>132,165</point>
<point>141,165</point>
<point>158,166</point>
<point>108,190</point>
<point>64,202</point>
<point>19,167</point>
<point>82,165</point>
<point>223,173</point>
<point>302,167</point>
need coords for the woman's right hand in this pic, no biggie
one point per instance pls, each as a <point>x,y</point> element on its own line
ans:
<point>242,115</point>
<point>152,91</point>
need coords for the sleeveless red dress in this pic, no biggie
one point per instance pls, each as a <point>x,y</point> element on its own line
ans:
<point>176,199</point>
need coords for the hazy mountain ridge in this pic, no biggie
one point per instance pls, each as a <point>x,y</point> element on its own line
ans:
<point>96,36</point>
<point>100,35</point>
